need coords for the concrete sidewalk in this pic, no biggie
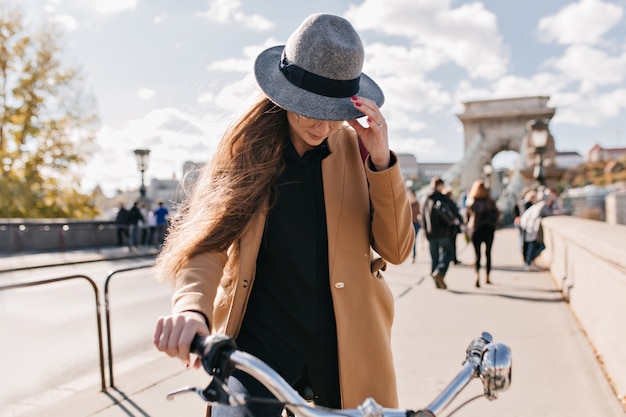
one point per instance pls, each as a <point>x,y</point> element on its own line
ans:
<point>555,370</point>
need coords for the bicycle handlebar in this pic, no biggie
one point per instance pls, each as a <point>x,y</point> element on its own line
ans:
<point>491,362</point>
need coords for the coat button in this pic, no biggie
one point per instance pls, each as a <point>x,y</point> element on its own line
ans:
<point>339,285</point>
<point>244,283</point>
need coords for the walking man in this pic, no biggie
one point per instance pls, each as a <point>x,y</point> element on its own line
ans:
<point>121,222</point>
<point>438,216</point>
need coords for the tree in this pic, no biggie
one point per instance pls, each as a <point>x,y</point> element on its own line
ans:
<point>598,173</point>
<point>47,124</point>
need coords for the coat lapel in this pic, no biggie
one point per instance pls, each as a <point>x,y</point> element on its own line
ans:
<point>333,182</point>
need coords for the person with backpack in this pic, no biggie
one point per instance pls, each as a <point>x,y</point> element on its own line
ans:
<point>439,213</point>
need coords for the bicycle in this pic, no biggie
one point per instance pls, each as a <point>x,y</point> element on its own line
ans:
<point>484,359</point>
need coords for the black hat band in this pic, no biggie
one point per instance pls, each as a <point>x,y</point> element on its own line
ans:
<point>316,83</point>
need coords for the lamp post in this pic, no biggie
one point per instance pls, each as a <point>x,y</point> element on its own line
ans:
<point>142,156</point>
<point>488,172</point>
<point>539,138</point>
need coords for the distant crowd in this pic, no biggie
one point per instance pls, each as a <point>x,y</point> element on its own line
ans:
<point>141,226</point>
<point>476,218</point>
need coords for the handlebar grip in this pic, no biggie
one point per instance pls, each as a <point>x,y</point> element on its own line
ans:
<point>198,345</point>
<point>214,351</point>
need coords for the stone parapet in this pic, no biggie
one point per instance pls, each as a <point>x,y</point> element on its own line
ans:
<point>587,260</point>
<point>615,207</point>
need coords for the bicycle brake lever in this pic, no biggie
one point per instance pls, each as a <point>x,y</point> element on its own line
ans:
<point>213,393</point>
<point>183,390</point>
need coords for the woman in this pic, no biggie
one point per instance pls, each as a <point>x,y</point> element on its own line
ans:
<point>275,247</point>
<point>482,219</point>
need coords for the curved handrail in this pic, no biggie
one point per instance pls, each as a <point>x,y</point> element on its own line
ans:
<point>98,316</point>
<point>108,316</point>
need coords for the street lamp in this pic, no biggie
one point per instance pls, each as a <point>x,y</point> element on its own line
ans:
<point>487,172</point>
<point>539,139</point>
<point>142,156</point>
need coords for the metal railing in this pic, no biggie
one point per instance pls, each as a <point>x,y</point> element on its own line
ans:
<point>98,314</point>
<point>108,317</point>
<point>107,320</point>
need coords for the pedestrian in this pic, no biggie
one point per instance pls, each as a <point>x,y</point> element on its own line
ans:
<point>482,220</point>
<point>415,215</point>
<point>133,219</point>
<point>282,241</point>
<point>528,198</point>
<point>530,223</point>
<point>121,222</point>
<point>438,216</point>
<point>456,228</point>
<point>160,221</point>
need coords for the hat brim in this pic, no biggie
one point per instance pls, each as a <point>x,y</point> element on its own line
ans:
<point>297,100</point>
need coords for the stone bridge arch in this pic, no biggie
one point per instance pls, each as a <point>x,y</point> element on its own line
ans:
<point>492,126</point>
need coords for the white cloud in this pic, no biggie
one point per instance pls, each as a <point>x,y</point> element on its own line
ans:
<point>382,59</point>
<point>145,93</point>
<point>114,6</point>
<point>245,64</point>
<point>540,84</point>
<point>589,110</point>
<point>227,11</point>
<point>467,35</point>
<point>160,18</point>
<point>231,65</point>
<point>591,66</point>
<point>67,22</point>
<point>172,136</point>
<point>584,22</point>
<point>414,94</point>
<point>237,96</point>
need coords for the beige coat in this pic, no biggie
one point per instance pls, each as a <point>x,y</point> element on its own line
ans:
<point>219,284</point>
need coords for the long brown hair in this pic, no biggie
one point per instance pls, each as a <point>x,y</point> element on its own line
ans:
<point>231,189</point>
<point>478,191</point>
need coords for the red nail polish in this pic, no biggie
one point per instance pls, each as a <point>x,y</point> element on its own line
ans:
<point>354,98</point>
<point>357,104</point>
<point>186,365</point>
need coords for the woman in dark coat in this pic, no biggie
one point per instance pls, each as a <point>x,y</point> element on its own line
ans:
<point>482,219</point>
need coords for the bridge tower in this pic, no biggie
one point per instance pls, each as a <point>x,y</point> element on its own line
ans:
<point>498,125</point>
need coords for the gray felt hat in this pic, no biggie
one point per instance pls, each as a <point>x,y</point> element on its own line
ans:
<point>318,70</point>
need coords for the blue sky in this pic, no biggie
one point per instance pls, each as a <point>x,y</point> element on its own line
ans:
<point>169,74</point>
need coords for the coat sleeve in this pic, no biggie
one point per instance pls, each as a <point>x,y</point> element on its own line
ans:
<point>197,284</point>
<point>392,227</point>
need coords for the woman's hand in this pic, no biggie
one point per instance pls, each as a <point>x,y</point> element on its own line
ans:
<point>174,333</point>
<point>374,137</point>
